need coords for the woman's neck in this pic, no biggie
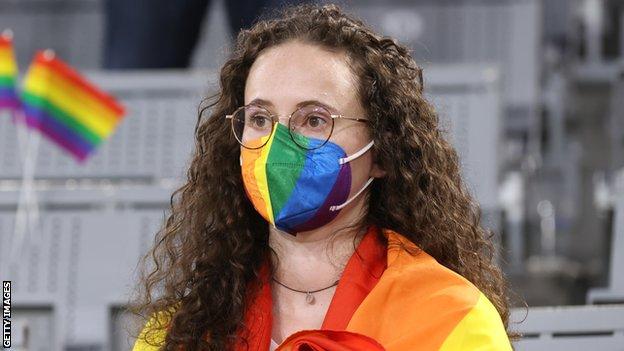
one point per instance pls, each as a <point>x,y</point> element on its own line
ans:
<point>314,259</point>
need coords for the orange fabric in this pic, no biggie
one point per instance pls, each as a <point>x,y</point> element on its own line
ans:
<point>417,301</point>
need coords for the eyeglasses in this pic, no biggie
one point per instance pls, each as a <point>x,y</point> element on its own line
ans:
<point>250,123</point>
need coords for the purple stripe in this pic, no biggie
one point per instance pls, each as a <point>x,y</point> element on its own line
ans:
<point>61,135</point>
<point>8,99</point>
<point>338,195</point>
<point>9,104</point>
<point>6,93</point>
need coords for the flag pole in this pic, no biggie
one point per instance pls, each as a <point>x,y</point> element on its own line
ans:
<point>27,215</point>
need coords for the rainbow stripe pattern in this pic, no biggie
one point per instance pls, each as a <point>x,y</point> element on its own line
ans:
<point>438,308</point>
<point>391,296</point>
<point>8,74</point>
<point>66,108</point>
<point>292,187</point>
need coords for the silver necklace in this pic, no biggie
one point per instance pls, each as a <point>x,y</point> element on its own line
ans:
<point>309,297</point>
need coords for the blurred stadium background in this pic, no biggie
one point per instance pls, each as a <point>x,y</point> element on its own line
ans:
<point>530,91</point>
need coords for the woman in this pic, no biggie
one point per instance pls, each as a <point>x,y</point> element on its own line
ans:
<point>323,209</point>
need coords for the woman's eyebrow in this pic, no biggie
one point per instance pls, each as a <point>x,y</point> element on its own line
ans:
<point>259,101</point>
<point>316,102</point>
<point>263,102</point>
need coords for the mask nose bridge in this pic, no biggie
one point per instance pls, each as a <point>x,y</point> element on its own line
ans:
<point>279,119</point>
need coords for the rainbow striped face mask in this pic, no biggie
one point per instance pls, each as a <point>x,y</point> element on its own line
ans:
<point>296,189</point>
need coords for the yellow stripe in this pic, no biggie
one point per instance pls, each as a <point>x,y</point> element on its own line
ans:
<point>261,178</point>
<point>7,69</point>
<point>7,63</point>
<point>73,101</point>
<point>153,334</point>
<point>481,329</point>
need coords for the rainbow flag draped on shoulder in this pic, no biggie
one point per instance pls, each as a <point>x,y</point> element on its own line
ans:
<point>8,73</point>
<point>66,108</point>
<point>391,297</point>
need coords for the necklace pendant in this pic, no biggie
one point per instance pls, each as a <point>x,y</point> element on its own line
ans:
<point>309,298</point>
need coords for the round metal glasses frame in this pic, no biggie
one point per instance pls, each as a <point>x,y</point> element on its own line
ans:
<point>275,120</point>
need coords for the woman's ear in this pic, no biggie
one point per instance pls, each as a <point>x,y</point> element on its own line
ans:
<point>377,172</point>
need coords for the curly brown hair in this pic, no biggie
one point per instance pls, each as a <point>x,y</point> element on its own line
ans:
<point>208,254</point>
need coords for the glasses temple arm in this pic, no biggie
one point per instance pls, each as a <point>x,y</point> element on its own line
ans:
<point>364,120</point>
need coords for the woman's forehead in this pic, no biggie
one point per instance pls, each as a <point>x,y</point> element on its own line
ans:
<point>296,71</point>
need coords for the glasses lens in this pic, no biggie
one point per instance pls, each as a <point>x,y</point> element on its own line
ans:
<point>313,122</point>
<point>252,125</point>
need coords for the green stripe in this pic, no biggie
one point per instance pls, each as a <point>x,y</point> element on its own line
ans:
<point>61,117</point>
<point>284,184</point>
<point>7,81</point>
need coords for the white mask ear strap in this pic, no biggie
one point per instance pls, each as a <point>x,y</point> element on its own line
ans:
<point>336,208</point>
<point>357,154</point>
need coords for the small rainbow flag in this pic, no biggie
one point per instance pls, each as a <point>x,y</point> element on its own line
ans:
<point>66,108</point>
<point>8,73</point>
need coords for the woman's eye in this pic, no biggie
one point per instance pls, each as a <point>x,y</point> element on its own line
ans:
<point>315,122</point>
<point>259,121</point>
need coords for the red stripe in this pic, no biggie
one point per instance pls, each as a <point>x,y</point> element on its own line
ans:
<point>258,317</point>
<point>5,42</point>
<point>75,78</point>
<point>359,277</point>
<point>330,340</point>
